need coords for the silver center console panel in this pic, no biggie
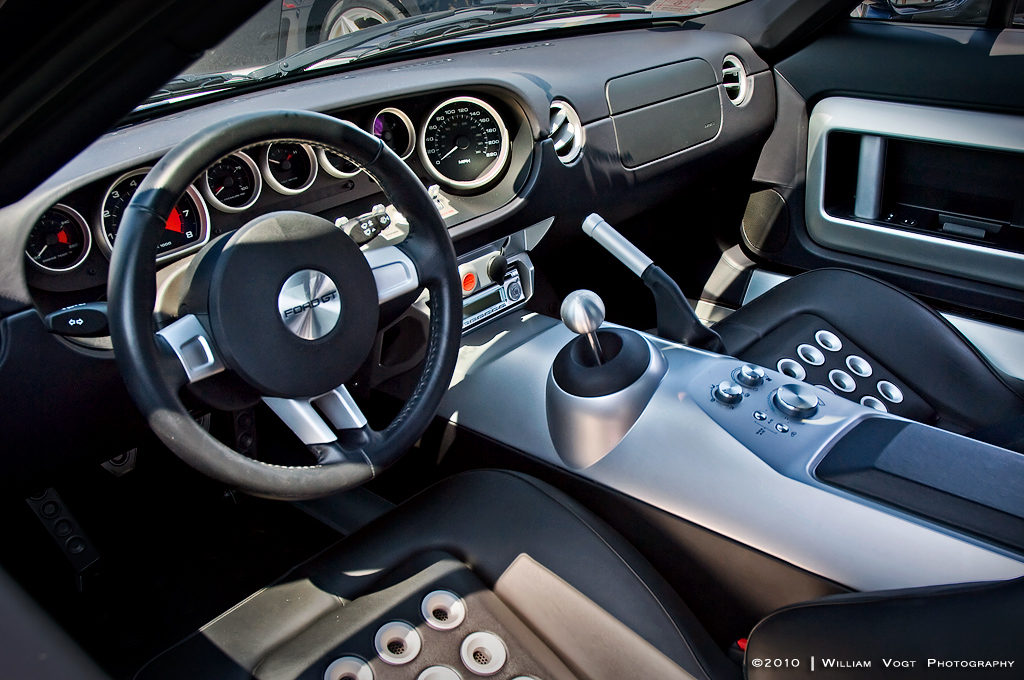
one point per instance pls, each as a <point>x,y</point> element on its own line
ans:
<point>714,450</point>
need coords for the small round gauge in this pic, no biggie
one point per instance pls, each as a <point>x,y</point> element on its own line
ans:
<point>464,143</point>
<point>336,165</point>
<point>394,128</point>
<point>233,183</point>
<point>60,240</point>
<point>186,228</point>
<point>289,167</point>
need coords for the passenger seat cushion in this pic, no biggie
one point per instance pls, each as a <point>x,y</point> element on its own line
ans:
<point>900,333</point>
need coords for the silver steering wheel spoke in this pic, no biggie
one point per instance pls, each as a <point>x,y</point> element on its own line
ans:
<point>308,425</point>
<point>393,271</point>
<point>191,343</point>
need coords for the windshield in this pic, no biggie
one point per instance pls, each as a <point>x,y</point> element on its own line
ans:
<point>314,32</point>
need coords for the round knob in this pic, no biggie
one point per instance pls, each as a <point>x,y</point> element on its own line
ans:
<point>799,401</point>
<point>750,375</point>
<point>728,392</point>
<point>582,311</point>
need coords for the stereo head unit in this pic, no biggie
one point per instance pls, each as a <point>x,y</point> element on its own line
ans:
<point>493,300</point>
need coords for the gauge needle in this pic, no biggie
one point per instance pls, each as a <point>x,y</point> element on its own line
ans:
<point>454,149</point>
<point>42,251</point>
<point>217,192</point>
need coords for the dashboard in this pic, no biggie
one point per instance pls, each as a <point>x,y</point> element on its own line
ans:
<point>509,136</point>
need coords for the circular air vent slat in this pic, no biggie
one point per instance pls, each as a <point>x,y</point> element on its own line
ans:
<point>566,132</point>
<point>734,78</point>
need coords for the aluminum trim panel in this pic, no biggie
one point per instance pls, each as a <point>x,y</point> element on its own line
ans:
<point>679,459</point>
<point>923,123</point>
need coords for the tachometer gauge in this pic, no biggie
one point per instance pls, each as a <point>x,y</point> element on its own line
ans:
<point>289,167</point>
<point>60,240</point>
<point>394,128</point>
<point>464,143</point>
<point>186,228</point>
<point>233,183</point>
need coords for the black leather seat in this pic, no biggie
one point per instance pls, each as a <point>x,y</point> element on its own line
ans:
<point>542,553</point>
<point>943,379</point>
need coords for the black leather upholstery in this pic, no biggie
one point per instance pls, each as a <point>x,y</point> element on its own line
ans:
<point>486,519</point>
<point>961,623</point>
<point>898,332</point>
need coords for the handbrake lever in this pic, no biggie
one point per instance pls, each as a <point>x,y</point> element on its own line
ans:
<point>676,319</point>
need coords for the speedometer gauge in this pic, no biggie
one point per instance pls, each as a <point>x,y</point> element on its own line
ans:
<point>187,225</point>
<point>464,143</point>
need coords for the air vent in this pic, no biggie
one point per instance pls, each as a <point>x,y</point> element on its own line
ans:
<point>566,132</point>
<point>734,77</point>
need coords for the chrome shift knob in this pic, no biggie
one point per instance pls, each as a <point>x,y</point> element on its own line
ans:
<point>583,313</point>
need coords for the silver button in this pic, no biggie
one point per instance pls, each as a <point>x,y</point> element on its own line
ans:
<point>728,392</point>
<point>799,401</point>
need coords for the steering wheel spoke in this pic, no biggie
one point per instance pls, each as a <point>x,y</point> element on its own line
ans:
<point>191,343</point>
<point>393,271</point>
<point>303,417</point>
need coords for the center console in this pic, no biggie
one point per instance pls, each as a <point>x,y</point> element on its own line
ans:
<point>738,449</point>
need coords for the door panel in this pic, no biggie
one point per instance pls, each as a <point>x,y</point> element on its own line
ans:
<point>932,119</point>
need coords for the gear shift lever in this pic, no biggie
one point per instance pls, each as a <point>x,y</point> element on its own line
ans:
<point>583,313</point>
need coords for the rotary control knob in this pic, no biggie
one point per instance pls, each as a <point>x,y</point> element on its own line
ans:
<point>728,392</point>
<point>750,375</point>
<point>798,401</point>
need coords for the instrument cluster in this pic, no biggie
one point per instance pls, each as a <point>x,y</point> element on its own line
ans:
<point>461,143</point>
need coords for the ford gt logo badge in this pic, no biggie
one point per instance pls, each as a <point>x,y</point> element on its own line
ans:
<point>309,304</point>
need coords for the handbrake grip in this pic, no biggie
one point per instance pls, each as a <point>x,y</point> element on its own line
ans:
<point>676,319</point>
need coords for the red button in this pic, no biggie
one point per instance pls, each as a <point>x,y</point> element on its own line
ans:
<point>469,282</point>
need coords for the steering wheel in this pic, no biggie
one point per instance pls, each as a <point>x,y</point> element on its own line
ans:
<point>284,309</point>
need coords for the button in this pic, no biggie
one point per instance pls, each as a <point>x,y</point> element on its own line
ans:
<point>782,427</point>
<point>467,273</point>
<point>728,392</point>
<point>760,415</point>
<point>908,222</point>
<point>515,291</point>
<point>750,375</point>
<point>889,217</point>
<point>799,401</point>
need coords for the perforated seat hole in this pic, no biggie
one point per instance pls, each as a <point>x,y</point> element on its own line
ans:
<point>443,610</point>
<point>890,392</point>
<point>842,381</point>
<point>810,354</point>
<point>828,340</point>
<point>397,643</point>
<point>483,653</point>
<point>791,369</point>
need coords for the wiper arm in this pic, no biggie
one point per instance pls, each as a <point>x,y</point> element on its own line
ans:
<point>199,82</point>
<point>333,48</point>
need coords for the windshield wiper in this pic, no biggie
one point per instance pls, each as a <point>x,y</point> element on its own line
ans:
<point>504,16</point>
<point>396,36</point>
<point>201,82</point>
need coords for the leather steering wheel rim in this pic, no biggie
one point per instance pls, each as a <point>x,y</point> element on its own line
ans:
<point>153,374</point>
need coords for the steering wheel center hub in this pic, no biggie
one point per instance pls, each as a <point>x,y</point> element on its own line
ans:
<point>309,304</point>
<point>292,304</point>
